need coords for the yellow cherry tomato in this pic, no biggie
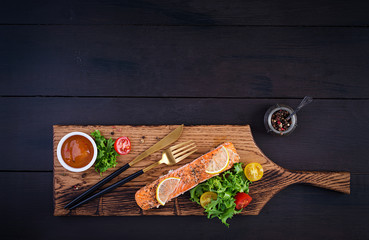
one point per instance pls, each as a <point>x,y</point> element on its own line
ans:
<point>206,198</point>
<point>253,171</point>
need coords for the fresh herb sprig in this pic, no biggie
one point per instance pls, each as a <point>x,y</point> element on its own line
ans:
<point>106,155</point>
<point>226,186</point>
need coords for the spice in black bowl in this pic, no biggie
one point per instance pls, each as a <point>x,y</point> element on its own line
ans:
<point>279,120</point>
<point>275,120</point>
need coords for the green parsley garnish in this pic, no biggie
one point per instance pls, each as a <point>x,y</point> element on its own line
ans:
<point>226,186</point>
<point>106,155</point>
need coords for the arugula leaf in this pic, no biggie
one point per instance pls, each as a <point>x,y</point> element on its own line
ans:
<point>107,156</point>
<point>226,186</point>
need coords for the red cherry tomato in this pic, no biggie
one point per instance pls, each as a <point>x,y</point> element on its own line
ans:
<point>242,200</point>
<point>122,145</point>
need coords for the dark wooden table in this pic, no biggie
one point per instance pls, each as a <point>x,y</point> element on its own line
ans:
<point>196,62</point>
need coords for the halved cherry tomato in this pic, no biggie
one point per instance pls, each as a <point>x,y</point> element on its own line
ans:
<point>207,197</point>
<point>242,200</point>
<point>122,145</point>
<point>254,171</point>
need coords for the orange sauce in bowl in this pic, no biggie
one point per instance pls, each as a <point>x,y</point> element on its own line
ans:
<point>77,151</point>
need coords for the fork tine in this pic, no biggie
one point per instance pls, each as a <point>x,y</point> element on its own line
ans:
<point>184,156</point>
<point>189,148</point>
<point>179,145</point>
<point>182,148</point>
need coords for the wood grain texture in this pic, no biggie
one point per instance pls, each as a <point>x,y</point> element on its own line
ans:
<point>26,213</point>
<point>283,51</point>
<point>168,61</point>
<point>121,202</point>
<point>176,12</point>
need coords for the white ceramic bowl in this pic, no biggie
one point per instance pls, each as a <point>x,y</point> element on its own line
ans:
<point>61,160</point>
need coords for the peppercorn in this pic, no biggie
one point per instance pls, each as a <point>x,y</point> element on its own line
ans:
<point>279,120</point>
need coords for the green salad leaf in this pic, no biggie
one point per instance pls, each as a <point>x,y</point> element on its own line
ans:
<point>106,154</point>
<point>226,186</point>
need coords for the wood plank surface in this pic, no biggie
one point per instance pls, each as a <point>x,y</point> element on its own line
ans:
<point>322,140</point>
<point>26,213</point>
<point>121,202</point>
<point>204,12</point>
<point>183,61</point>
<point>192,62</point>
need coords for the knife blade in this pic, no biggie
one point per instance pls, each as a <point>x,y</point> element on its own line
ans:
<point>167,140</point>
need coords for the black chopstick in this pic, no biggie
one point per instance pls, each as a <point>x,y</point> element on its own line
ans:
<point>108,189</point>
<point>97,185</point>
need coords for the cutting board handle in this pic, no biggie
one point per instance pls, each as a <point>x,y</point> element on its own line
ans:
<point>336,181</point>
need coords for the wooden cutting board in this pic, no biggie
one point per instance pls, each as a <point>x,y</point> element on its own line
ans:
<point>121,201</point>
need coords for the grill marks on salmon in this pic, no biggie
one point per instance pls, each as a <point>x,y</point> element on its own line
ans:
<point>190,174</point>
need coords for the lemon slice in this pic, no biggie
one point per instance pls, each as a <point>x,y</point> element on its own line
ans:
<point>165,188</point>
<point>219,162</point>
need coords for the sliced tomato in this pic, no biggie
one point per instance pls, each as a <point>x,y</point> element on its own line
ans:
<point>242,200</point>
<point>122,145</point>
<point>254,171</point>
<point>207,197</point>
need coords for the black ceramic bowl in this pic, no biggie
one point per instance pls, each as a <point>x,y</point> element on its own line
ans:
<point>268,120</point>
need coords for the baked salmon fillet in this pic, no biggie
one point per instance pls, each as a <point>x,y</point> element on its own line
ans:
<point>190,175</point>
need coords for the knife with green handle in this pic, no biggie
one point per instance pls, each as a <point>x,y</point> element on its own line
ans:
<point>167,140</point>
